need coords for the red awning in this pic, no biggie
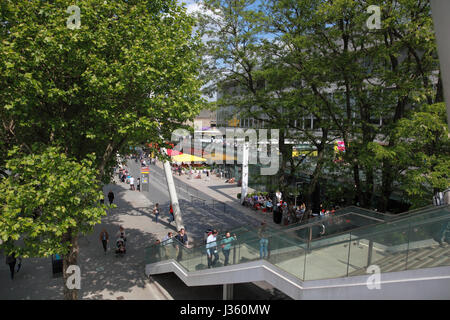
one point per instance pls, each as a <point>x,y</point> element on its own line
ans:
<point>171,152</point>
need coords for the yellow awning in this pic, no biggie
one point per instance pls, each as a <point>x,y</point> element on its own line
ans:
<point>218,157</point>
<point>187,158</point>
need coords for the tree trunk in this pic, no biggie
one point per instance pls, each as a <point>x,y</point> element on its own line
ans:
<point>310,202</point>
<point>386,186</point>
<point>284,150</point>
<point>69,259</point>
<point>110,150</point>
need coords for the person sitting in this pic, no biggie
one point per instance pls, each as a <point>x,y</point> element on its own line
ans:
<point>269,205</point>
<point>251,202</point>
<point>247,201</point>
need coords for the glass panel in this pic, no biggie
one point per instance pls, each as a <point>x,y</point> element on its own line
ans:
<point>388,243</point>
<point>363,253</point>
<point>249,251</point>
<point>327,258</point>
<point>288,253</point>
<point>413,242</point>
<point>428,246</point>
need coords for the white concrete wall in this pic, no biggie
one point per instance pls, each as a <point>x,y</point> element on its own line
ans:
<point>430,283</point>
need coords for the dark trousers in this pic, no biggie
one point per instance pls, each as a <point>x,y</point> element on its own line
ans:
<point>210,253</point>
<point>226,254</point>
<point>11,268</point>
<point>105,244</point>
<point>111,200</point>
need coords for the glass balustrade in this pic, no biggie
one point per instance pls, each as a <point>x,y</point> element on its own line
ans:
<point>317,251</point>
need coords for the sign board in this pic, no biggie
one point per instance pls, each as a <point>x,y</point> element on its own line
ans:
<point>145,182</point>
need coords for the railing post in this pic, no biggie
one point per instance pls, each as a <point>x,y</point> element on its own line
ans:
<point>369,255</point>
<point>309,239</point>
<point>234,254</point>
<point>348,254</point>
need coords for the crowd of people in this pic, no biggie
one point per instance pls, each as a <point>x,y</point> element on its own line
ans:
<point>283,211</point>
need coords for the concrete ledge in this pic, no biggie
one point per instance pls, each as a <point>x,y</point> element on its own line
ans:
<point>430,283</point>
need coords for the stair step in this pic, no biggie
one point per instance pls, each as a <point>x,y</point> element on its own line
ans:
<point>443,261</point>
<point>440,252</point>
<point>421,254</point>
<point>389,261</point>
<point>425,263</point>
<point>398,265</point>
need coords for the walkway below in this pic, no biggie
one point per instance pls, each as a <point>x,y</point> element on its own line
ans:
<point>111,277</point>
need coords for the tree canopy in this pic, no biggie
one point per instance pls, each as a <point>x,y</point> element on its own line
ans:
<point>295,62</point>
<point>72,97</point>
<point>128,72</point>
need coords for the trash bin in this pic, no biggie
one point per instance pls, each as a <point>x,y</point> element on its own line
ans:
<point>57,265</point>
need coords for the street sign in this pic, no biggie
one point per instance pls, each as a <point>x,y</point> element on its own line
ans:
<point>145,170</point>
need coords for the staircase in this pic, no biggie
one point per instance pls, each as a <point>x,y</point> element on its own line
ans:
<point>404,248</point>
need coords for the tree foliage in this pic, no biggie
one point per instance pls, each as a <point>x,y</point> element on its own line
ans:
<point>127,75</point>
<point>46,196</point>
<point>318,59</point>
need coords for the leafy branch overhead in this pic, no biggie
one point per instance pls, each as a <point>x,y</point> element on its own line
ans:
<point>46,196</point>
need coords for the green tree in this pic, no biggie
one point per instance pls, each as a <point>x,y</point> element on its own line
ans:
<point>128,75</point>
<point>46,202</point>
<point>421,154</point>
<point>318,58</point>
<point>131,67</point>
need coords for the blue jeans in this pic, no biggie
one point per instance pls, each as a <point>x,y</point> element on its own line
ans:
<point>156,217</point>
<point>263,251</point>
<point>226,254</point>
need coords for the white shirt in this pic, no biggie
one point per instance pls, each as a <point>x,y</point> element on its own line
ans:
<point>131,180</point>
<point>211,241</point>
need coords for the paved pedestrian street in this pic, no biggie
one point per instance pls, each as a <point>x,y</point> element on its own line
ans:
<point>110,277</point>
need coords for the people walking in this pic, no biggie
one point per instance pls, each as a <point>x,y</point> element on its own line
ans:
<point>121,233</point>
<point>211,249</point>
<point>182,239</point>
<point>110,197</point>
<point>263,241</point>
<point>104,238</point>
<point>19,264</point>
<point>171,218</point>
<point>11,261</point>
<point>132,183</point>
<point>166,241</point>
<point>156,212</point>
<point>226,246</point>
<point>139,184</point>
